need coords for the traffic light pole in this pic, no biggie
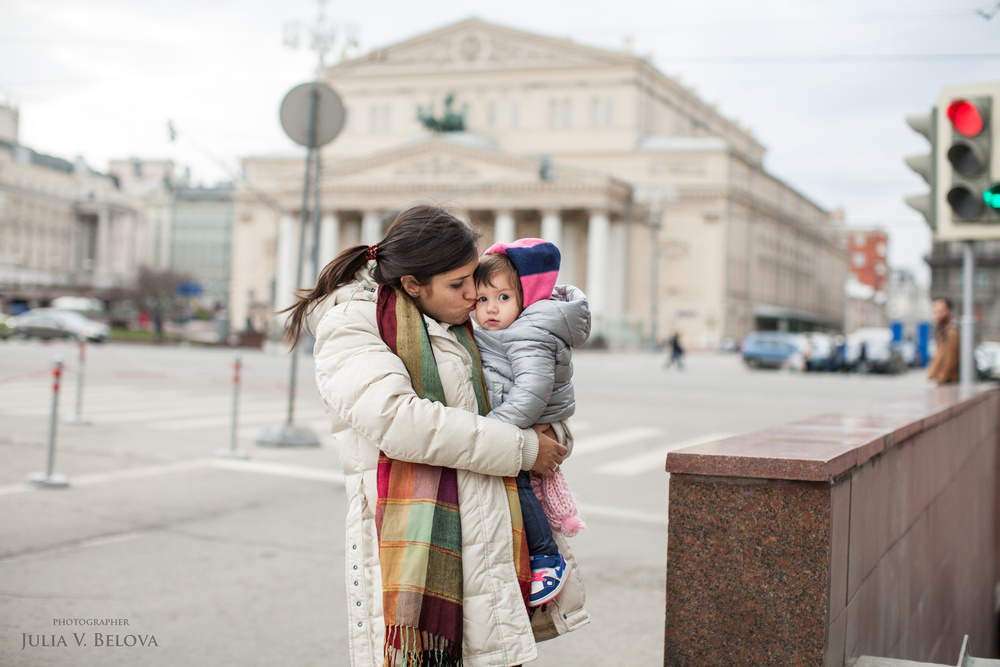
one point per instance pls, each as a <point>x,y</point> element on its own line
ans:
<point>966,365</point>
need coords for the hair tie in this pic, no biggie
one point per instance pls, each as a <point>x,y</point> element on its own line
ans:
<point>372,251</point>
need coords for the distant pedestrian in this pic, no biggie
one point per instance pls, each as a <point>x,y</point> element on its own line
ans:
<point>676,352</point>
<point>944,366</point>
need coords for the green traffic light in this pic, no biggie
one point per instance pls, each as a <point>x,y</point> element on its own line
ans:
<point>991,196</point>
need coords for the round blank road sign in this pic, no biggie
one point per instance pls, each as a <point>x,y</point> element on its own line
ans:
<point>295,113</point>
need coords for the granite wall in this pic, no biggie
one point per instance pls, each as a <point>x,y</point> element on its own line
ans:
<point>869,533</point>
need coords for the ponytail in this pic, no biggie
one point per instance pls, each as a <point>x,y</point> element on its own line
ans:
<point>338,272</point>
<point>423,241</point>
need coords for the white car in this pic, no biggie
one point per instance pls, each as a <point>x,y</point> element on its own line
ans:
<point>49,323</point>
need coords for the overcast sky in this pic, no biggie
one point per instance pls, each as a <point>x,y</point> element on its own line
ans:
<point>825,86</point>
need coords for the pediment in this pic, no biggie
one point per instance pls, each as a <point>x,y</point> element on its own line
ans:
<point>475,44</point>
<point>438,160</point>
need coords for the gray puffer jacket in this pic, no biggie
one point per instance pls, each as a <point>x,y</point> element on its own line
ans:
<point>529,365</point>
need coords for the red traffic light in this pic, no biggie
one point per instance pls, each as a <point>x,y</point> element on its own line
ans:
<point>965,118</point>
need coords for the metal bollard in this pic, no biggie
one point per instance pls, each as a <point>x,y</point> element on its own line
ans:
<point>232,452</point>
<point>78,418</point>
<point>49,478</point>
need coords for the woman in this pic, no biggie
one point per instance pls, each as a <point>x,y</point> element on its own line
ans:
<point>401,382</point>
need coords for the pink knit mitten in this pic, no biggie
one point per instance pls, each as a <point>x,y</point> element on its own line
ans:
<point>558,503</point>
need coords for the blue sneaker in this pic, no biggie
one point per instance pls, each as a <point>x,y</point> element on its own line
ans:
<point>548,576</point>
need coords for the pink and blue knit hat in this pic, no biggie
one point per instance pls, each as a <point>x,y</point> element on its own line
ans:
<point>537,264</point>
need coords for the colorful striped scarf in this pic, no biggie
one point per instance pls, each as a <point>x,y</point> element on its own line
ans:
<point>417,516</point>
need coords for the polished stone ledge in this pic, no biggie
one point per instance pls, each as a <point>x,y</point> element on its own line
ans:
<point>822,448</point>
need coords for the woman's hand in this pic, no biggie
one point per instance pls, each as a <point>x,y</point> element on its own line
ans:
<point>550,452</point>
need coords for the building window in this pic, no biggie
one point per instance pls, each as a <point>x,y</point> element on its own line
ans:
<point>386,118</point>
<point>515,115</point>
<point>858,259</point>
<point>553,113</point>
<point>567,113</point>
<point>491,114</point>
<point>595,112</point>
<point>373,119</point>
<point>610,108</point>
<point>880,248</point>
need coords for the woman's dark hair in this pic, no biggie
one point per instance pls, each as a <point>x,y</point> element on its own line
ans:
<point>423,241</point>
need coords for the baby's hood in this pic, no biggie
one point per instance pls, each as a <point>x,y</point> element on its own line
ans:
<point>566,314</point>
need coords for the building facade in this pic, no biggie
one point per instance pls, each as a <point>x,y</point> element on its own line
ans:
<point>945,261</point>
<point>661,207</point>
<point>64,229</point>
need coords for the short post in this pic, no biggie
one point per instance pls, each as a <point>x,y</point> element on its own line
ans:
<point>49,478</point>
<point>233,452</point>
<point>78,418</point>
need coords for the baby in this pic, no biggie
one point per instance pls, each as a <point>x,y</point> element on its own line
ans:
<point>527,327</point>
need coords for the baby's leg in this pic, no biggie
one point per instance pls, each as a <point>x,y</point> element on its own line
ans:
<point>536,525</point>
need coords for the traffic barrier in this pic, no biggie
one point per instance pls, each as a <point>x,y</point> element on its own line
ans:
<point>78,418</point>
<point>49,478</point>
<point>232,452</point>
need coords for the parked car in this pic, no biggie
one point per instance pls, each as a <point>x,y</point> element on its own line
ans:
<point>768,349</point>
<point>873,350</point>
<point>49,323</point>
<point>6,326</point>
<point>817,350</point>
<point>987,357</point>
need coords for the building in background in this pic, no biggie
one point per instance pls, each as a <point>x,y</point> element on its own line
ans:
<point>945,261</point>
<point>657,202</point>
<point>201,239</point>
<point>189,228</point>
<point>868,280</point>
<point>64,229</point>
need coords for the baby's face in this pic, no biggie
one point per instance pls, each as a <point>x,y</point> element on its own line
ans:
<point>496,306</point>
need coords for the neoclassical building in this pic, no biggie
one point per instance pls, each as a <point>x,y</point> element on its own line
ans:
<point>64,229</point>
<point>661,207</point>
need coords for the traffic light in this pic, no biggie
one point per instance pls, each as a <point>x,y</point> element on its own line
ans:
<point>966,191</point>
<point>925,165</point>
<point>969,156</point>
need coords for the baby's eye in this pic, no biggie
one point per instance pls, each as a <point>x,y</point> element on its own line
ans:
<point>505,297</point>
<point>481,299</point>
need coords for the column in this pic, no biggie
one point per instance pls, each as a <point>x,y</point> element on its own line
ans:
<point>102,254</point>
<point>617,270</point>
<point>569,271</point>
<point>329,238</point>
<point>286,264</point>
<point>504,227</point>
<point>371,228</point>
<point>552,227</point>
<point>598,240</point>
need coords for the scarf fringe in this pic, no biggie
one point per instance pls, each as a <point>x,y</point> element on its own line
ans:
<point>410,647</point>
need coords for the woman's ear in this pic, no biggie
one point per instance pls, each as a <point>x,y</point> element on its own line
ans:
<point>410,285</point>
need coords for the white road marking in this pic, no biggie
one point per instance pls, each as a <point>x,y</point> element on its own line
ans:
<point>281,470</point>
<point>607,512</point>
<point>262,467</point>
<point>628,436</point>
<point>276,413</point>
<point>654,459</point>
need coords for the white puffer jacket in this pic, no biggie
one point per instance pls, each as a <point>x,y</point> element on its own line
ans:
<point>371,404</point>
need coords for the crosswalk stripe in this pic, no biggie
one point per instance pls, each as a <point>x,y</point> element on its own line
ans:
<point>201,409</point>
<point>628,436</point>
<point>259,417</point>
<point>654,459</point>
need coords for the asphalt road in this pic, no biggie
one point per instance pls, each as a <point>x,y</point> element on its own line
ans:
<point>217,561</point>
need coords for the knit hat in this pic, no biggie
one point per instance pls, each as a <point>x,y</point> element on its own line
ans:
<point>537,265</point>
<point>558,503</point>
